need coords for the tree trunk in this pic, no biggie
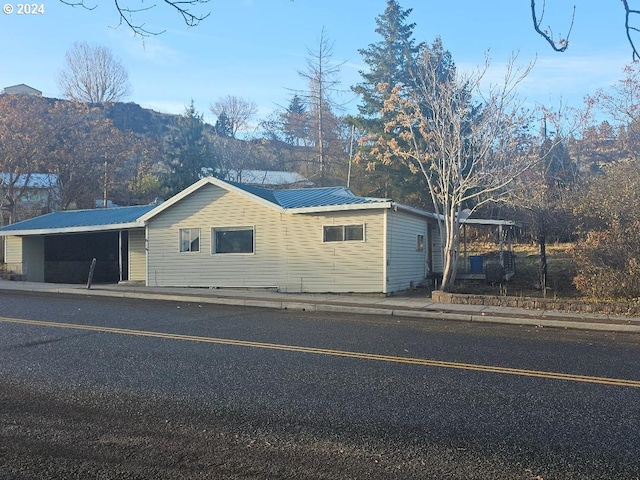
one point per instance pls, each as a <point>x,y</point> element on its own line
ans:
<point>542,242</point>
<point>450,252</point>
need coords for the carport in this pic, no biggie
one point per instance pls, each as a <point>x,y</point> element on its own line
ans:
<point>59,247</point>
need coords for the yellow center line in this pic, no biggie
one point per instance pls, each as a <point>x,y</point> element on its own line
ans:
<point>336,353</point>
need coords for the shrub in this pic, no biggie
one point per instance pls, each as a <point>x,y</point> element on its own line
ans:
<point>609,262</point>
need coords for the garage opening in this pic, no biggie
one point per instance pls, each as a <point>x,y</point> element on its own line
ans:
<point>67,258</point>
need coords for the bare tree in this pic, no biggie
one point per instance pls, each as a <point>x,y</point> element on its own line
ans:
<point>128,14</point>
<point>467,142</point>
<point>238,111</point>
<point>93,75</point>
<point>322,75</point>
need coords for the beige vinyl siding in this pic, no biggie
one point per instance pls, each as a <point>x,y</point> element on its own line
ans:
<point>405,264</point>
<point>289,250</point>
<point>137,257</point>
<point>13,254</point>
<point>347,266</point>
<point>207,208</point>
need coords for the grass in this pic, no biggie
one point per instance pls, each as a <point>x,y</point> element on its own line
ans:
<point>526,282</point>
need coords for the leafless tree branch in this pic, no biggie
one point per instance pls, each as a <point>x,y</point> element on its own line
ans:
<point>126,14</point>
<point>559,45</point>
<point>628,12</point>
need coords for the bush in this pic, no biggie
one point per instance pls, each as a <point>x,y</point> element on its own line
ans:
<point>609,263</point>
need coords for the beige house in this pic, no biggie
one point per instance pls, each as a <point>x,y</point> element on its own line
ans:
<point>225,234</point>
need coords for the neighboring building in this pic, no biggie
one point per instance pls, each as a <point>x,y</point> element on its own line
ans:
<point>32,193</point>
<point>267,178</point>
<point>21,89</point>
<point>226,234</point>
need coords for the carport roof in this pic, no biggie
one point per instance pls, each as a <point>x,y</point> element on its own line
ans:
<point>77,221</point>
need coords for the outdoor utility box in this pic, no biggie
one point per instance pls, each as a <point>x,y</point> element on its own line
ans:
<point>475,263</point>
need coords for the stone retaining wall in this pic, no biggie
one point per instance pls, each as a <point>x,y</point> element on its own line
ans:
<point>532,303</point>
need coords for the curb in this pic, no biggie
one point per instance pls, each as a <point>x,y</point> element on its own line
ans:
<point>524,320</point>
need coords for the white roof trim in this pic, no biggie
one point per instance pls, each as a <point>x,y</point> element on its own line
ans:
<point>415,211</point>
<point>79,229</point>
<point>341,207</point>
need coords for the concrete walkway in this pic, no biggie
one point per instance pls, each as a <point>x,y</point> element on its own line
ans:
<point>399,306</point>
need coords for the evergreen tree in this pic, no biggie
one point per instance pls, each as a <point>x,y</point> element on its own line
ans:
<point>392,61</point>
<point>189,152</point>
<point>295,122</point>
<point>223,125</point>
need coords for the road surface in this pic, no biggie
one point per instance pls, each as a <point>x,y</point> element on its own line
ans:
<point>115,389</point>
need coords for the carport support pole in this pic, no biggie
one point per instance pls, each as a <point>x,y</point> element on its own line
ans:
<point>91,269</point>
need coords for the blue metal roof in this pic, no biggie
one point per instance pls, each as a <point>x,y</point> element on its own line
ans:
<point>308,197</point>
<point>69,219</point>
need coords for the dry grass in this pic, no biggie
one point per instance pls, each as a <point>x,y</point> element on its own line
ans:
<point>526,281</point>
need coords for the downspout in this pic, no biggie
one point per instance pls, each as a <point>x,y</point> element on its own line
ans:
<point>385,251</point>
<point>120,256</point>
<point>146,254</point>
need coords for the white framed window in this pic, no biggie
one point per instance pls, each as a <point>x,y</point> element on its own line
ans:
<point>419,243</point>
<point>189,240</point>
<point>232,240</point>
<point>343,233</point>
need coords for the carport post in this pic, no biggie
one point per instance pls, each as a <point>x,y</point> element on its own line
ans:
<point>91,269</point>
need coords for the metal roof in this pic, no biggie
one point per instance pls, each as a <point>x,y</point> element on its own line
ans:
<point>298,200</point>
<point>308,197</point>
<point>75,221</point>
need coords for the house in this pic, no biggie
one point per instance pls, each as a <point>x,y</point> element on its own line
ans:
<point>224,234</point>
<point>21,89</point>
<point>37,190</point>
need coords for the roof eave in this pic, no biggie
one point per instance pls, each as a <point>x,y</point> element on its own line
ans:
<point>79,229</point>
<point>340,208</point>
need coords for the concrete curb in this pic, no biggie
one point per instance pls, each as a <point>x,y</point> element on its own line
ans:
<point>535,319</point>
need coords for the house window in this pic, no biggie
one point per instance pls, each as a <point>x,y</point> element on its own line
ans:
<point>420,243</point>
<point>189,239</point>
<point>343,233</point>
<point>232,240</point>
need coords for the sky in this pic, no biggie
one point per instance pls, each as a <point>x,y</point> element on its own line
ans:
<point>255,49</point>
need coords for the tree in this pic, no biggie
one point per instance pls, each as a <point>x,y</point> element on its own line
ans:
<point>467,151</point>
<point>127,15</point>
<point>25,139</point>
<point>390,62</point>
<point>238,112</point>
<point>188,152</point>
<point>86,151</point>
<point>541,195</point>
<point>322,75</point>
<point>295,122</point>
<point>621,103</point>
<point>223,126</point>
<point>93,75</point>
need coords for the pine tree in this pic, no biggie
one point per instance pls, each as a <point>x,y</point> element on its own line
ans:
<point>295,122</point>
<point>189,152</point>
<point>223,125</point>
<point>392,61</point>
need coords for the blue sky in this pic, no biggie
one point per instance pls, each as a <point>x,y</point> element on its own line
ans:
<point>254,48</point>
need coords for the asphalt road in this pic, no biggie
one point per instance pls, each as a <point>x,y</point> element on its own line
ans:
<point>105,388</point>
